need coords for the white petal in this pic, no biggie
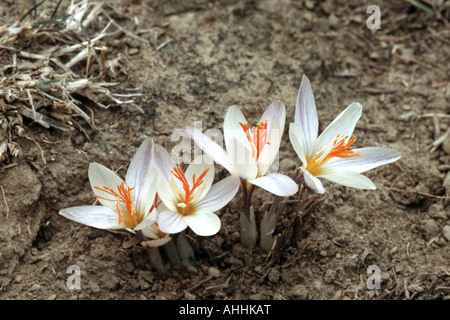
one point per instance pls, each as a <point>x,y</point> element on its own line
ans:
<point>203,222</point>
<point>140,166</point>
<point>370,158</point>
<point>171,222</point>
<point>306,114</point>
<point>244,166</point>
<point>100,176</point>
<point>232,128</point>
<point>348,178</point>
<point>276,112</point>
<point>156,243</point>
<point>270,151</point>
<point>211,148</point>
<point>296,138</point>
<point>146,196</point>
<point>198,170</point>
<point>95,216</point>
<point>343,124</point>
<point>153,232</point>
<point>220,194</point>
<point>276,183</point>
<point>312,182</point>
<point>166,194</point>
<point>163,161</point>
<point>149,219</point>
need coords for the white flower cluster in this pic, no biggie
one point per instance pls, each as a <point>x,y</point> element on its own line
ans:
<point>159,199</point>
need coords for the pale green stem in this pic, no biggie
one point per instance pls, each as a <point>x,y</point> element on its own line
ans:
<point>153,252</point>
<point>185,249</point>
<point>156,260</point>
<point>248,229</point>
<point>268,224</point>
<point>269,220</point>
<point>172,253</point>
<point>247,218</point>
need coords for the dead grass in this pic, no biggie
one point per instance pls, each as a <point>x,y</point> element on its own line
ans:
<point>53,70</point>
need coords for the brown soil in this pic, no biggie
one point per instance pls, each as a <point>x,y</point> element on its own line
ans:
<point>250,53</point>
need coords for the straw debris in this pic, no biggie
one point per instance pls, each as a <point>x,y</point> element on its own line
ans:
<point>52,69</point>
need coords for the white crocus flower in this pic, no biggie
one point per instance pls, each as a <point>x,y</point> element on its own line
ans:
<point>191,198</point>
<point>250,152</point>
<point>329,155</point>
<point>129,204</point>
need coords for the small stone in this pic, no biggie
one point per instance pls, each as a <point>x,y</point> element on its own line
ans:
<point>192,269</point>
<point>429,228</point>
<point>18,278</point>
<point>133,51</point>
<point>406,107</point>
<point>330,276</point>
<point>189,296</point>
<point>299,291</point>
<point>213,272</point>
<point>437,211</point>
<point>274,275</point>
<point>259,269</point>
<point>35,287</point>
<point>310,4</point>
<point>446,232</point>
<point>333,20</point>
<point>323,253</point>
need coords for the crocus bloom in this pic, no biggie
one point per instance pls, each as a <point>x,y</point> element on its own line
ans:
<point>330,155</point>
<point>191,198</point>
<point>250,152</point>
<point>130,204</point>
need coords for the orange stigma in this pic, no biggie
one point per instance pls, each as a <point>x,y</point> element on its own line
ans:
<point>340,149</point>
<point>185,206</point>
<point>128,215</point>
<point>257,137</point>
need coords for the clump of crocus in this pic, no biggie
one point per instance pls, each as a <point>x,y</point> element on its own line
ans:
<point>130,205</point>
<point>330,154</point>
<point>190,197</point>
<point>250,154</point>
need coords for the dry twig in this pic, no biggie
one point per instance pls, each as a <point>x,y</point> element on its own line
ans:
<point>49,66</point>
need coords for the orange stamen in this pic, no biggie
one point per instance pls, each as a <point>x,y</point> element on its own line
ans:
<point>155,203</point>
<point>257,137</point>
<point>129,216</point>
<point>340,149</point>
<point>186,209</point>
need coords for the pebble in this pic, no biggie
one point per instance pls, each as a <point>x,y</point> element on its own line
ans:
<point>299,291</point>
<point>35,287</point>
<point>192,269</point>
<point>274,275</point>
<point>189,296</point>
<point>133,51</point>
<point>446,232</point>
<point>330,275</point>
<point>18,278</point>
<point>213,272</point>
<point>406,107</point>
